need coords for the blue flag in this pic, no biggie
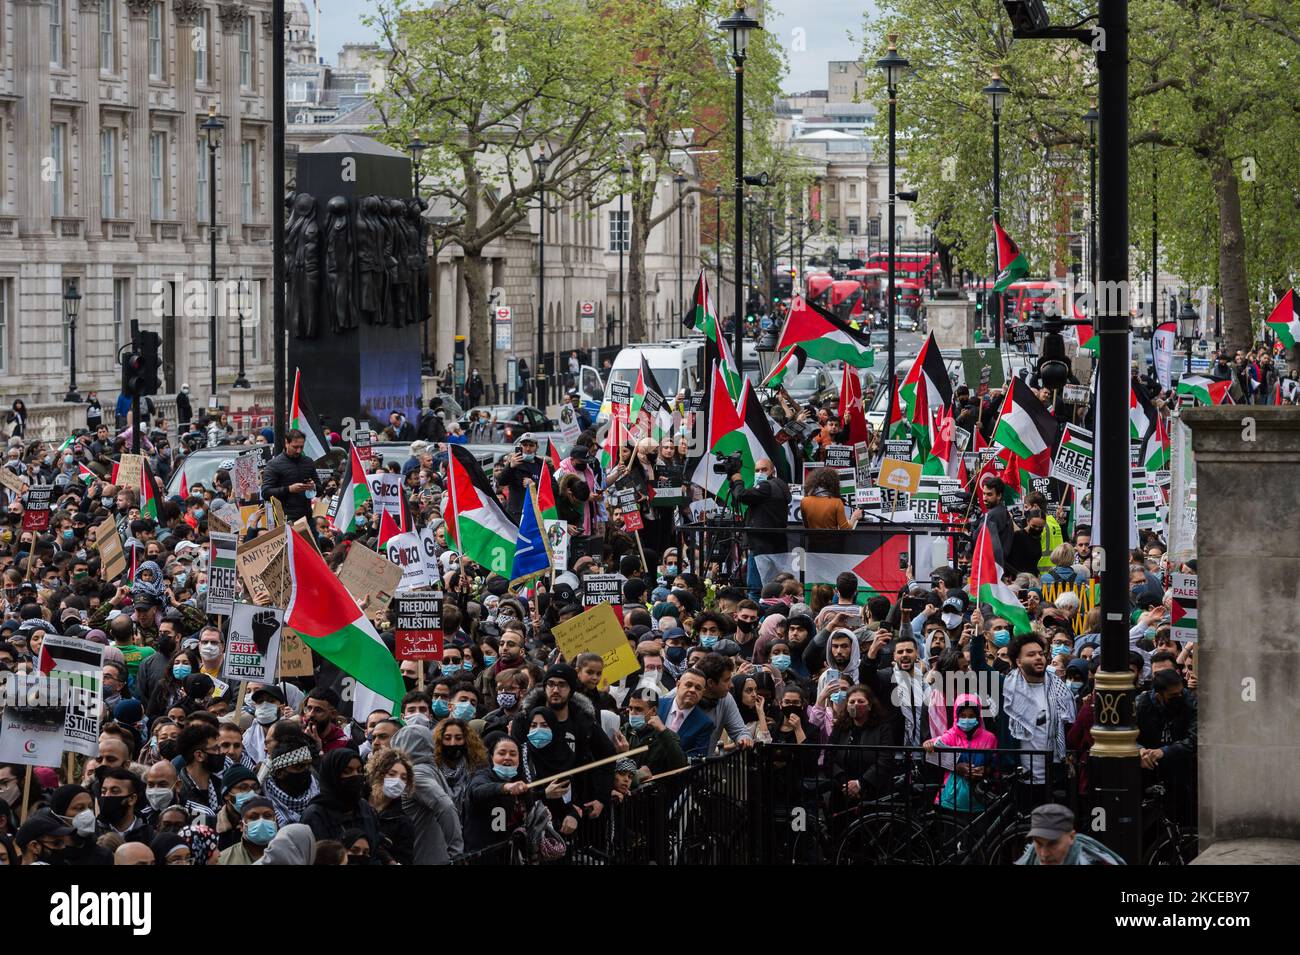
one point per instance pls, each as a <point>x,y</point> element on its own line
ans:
<point>532,552</point>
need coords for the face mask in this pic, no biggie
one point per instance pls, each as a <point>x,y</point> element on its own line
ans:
<point>968,723</point>
<point>709,642</point>
<point>530,457</point>
<point>489,662</point>
<point>759,478</point>
<point>635,721</point>
<point>506,772</point>
<point>393,787</point>
<point>468,666</point>
<point>260,832</point>
<point>1075,687</point>
<point>450,669</point>
<point>209,651</point>
<point>540,737</point>
<point>675,655</point>
<point>241,799</point>
<point>745,626</point>
<point>214,762</point>
<point>266,713</point>
<point>350,788</point>
<point>112,808</point>
<point>106,502</point>
<point>167,749</point>
<point>464,710</point>
<point>839,696</point>
<point>68,535</point>
<point>670,570</point>
<point>67,459</point>
<point>1150,633</point>
<point>781,661</point>
<point>180,579</point>
<point>507,701</point>
<point>181,670</point>
<point>1061,650</point>
<point>84,822</point>
<point>199,513</point>
<point>440,708</point>
<point>295,784</point>
<point>1001,638</point>
<point>160,797</point>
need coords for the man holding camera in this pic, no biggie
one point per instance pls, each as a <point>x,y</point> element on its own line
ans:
<point>521,467</point>
<point>767,505</point>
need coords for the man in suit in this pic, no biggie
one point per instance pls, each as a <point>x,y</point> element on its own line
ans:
<point>681,713</point>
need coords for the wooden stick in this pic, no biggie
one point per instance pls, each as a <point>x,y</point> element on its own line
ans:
<point>71,768</point>
<point>420,677</point>
<point>641,550</point>
<point>27,790</point>
<point>239,702</point>
<point>579,769</point>
<point>664,775</point>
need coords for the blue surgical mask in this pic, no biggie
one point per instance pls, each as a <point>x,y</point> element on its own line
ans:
<point>839,696</point>
<point>1075,687</point>
<point>464,710</point>
<point>180,579</point>
<point>440,708</point>
<point>760,477</point>
<point>708,642</point>
<point>450,669</point>
<point>968,723</point>
<point>675,655</point>
<point>242,798</point>
<point>1061,650</point>
<point>1150,633</point>
<point>198,513</point>
<point>260,832</point>
<point>635,721</point>
<point>670,570</point>
<point>489,661</point>
<point>1001,638</point>
<point>468,665</point>
<point>540,737</point>
<point>781,661</point>
<point>506,772</point>
<point>181,670</point>
<point>68,534</point>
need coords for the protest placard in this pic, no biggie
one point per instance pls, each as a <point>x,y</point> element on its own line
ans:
<point>365,573</point>
<point>602,588</point>
<point>557,536</point>
<point>81,663</point>
<point>1073,461</point>
<point>261,567</point>
<point>838,456</point>
<point>982,368</point>
<point>112,560</point>
<point>898,475</point>
<point>597,630</point>
<point>32,735</point>
<point>253,646</point>
<point>405,551</point>
<point>951,498</point>
<point>386,494</point>
<point>246,478</point>
<point>36,517</point>
<point>624,501</point>
<point>419,627</point>
<point>12,481</point>
<point>222,575</point>
<point>899,449</point>
<point>1182,618</point>
<point>295,656</point>
<point>130,470</point>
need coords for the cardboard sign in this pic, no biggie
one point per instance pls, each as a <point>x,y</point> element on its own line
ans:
<point>111,557</point>
<point>1074,458</point>
<point>253,646</point>
<point>37,515</point>
<point>419,627</point>
<point>602,588</point>
<point>838,456</point>
<point>246,477</point>
<point>1182,618</point>
<point>407,552</point>
<point>261,566</point>
<point>223,577</point>
<point>81,664</point>
<point>130,470</point>
<point>899,449</point>
<point>557,537</point>
<point>295,656</point>
<point>1075,394</point>
<point>32,736</point>
<point>228,513</point>
<point>12,481</point>
<point>569,426</point>
<point>598,631</point>
<point>897,475</point>
<point>982,368</point>
<point>364,573</point>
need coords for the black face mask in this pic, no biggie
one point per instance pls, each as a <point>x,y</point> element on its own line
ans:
<point>112,809</point>
<point>358,860</point>
<point>214,762</point>
<point>295,784</point>
<point>411,682</point>
<point>167,749</point>
<point>453,753</point>
<point>166,644</point>
<point>745,626</point>
<point>54,856</point>
<point>350,788</point>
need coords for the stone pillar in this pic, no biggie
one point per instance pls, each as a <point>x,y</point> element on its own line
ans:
<point>138,81</point>
<point>952,319</point>
<point>1248,655</point>
<point>232,19</point>
<point>32,115</point>
<point>90,125</point>
<point>188,14</point>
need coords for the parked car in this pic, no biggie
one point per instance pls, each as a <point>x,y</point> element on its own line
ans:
<point>508,423</point>
<point>815,385</point>
<point>201,466</point>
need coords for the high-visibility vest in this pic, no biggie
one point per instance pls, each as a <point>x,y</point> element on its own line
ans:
<point>1051,539</point>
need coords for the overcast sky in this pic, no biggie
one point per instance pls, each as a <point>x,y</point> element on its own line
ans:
<point>825,25</point>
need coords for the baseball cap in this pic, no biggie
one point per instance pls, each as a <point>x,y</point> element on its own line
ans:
<point>1051,821</point>
<point>268,690</point>
<point>41,823</point>
<point>528,436</point>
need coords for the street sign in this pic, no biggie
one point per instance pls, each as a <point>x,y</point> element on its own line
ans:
<point>587,312</point>
<point>501,313</point>
<point>503,335</point>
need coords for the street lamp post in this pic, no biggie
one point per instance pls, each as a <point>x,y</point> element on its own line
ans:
<point>213,128</point>
<point>71,305</point>
<point>717,243</point>
<point>541,162</point>
<point>416,148</point>
<point>749,254</point>
<point>893,65</point>
<point>1092,118</point>
<point>738,26</point>
<point>771,257</point>
<point>240,380</point>
<point>1188,321</point>
<point>623,173</point>
<point>679,181</point>
<point>996,93</point>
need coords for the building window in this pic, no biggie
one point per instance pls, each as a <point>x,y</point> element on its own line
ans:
<point>853,190</point>
<point>253,322</point>
<point>853,225</point>
<point>6,298</point>
<point>620,237</point>
<point>201,164</point>
<point>361,86</point>
<point>247,154</point>
<point>58,141</point>
<point>108,173</point>
<point>121,300</point>
<point>202,53</point>
<point>155,42</point>
<point>56,33</point>
<point>157,157</point>
<point>297,91</point>
<point>246,53</point>
<point>107,36</point>
<point>830,191</point>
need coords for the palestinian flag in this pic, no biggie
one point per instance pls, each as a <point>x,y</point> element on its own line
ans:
<point>185,486</point>
<point>897,428</point>
<point>1011,261</point>
<point>1089,340</point>
<point>874,562</point>
<point>615,439</point>
<point>1285,320</point>
<point>702,316</point>
<point>1182,616</point>
<point>823,336</point>
<point>300,417</point>
<point>1026,429</point>
<point>476,523</point>
<point>113,477</point>
<point>926,390</point>
<point>547,493</point>
<point>553,450</point>
<point>352,495</point>
<point>943,452</point>
<point>986,583</point>
<point>388,528</point>
<point>793,358</point>
<point>763,439</point>
<point>850,410</point>
<point>1206,391</point>
<point>89,477</point>
<point>719,351</point>
<point>67,443</point>
<point>1142,414</point>
<point>723,434</point>
<point>327,618</point>
<point>647,396</point>
<point>148,493</point>
<point>1156,454</point>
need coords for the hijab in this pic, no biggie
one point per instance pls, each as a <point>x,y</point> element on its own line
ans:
<point>553,758</point>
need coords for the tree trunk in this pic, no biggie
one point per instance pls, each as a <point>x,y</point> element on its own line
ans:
<point>636,324</point>
<point>479,341</point>
<point>1237,326</point>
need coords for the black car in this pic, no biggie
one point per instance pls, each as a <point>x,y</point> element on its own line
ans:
<point>507,423</point>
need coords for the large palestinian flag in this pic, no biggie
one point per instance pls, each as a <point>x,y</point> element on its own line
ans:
<point>476,523</point>
<point>925,391</point>
<point>729,430</point>
<point>1026,429</point>
<point>823,336</point>
<point>793,358</point>
<point>986,584</point>
<point>1011,261</point>
<point>702,316</point>
<point>648,397</point>
<point>352,495</point>
<point>327,618</point>
<point>1285,320</point>
<point>300,417</point>
<point>850,410</point>
<point>874,562</point>
<point>1205,391</point>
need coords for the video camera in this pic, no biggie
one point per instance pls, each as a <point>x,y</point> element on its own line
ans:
<point>728,464</point>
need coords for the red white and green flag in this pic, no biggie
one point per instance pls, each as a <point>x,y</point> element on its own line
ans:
<point>1011,261</point>
<point>925,391</point>
<point>89,476</point>
<point>986,583</point>
<point>616,438</point>
<point>388,528</point>
<point>793,358</point>
<point>1157,448</point>
<point>1026,429</point>
<point>300,418</point>
<point>850,410</point>
<point>327,618</point>
<point>823,336</point>
<point>723,436</point>
<point>702,316</point>
<point>547,493</point>
<point>1285,320</point>
<point>1205,391</point>
<point>476,523</point>
<point>1089,340</point>
<point>148,493</point>
<point>353,495</point>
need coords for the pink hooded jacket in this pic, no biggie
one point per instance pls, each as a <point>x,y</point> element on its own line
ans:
<point>955,737</point>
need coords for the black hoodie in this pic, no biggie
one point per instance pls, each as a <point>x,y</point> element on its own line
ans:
<point>331,813</point>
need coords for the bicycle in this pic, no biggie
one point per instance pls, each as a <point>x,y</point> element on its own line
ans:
<point>1168,843</point>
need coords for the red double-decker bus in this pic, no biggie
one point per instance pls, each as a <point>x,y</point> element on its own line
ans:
<point>912,272</point>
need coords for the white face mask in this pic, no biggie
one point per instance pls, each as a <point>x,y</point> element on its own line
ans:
<point>393,787</point>
<point>84,822</point>
<point>209,651</point>
<point>160,797</point>
<point>267,712</point>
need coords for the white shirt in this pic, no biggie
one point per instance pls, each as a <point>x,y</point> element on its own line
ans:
<point>1038,740</point>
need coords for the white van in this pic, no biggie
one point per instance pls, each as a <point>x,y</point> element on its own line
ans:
<point>675,364</point>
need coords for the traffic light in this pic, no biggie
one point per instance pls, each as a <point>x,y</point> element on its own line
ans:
<point>132,373</point>
<point>140,367</point>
